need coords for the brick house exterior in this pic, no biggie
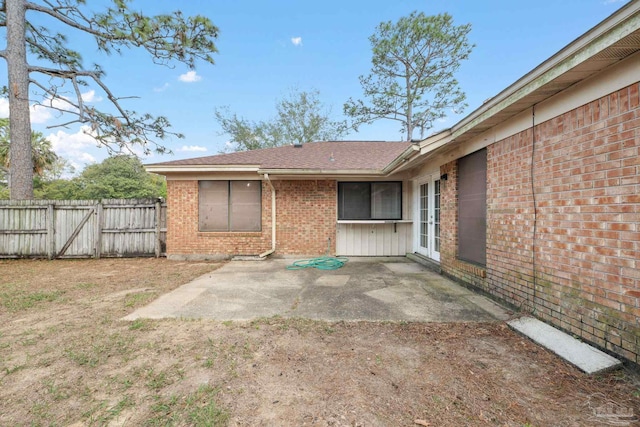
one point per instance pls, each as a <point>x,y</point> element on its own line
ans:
<point>561,226</point>
<point>305,222</point>
<point>183,236</point>
<point>576,264</point>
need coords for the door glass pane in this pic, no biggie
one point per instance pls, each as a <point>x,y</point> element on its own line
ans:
<point>213,206</point>
<point>424,215</point>
<point>245,206</point>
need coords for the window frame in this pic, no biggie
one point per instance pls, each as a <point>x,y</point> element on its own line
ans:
<point>340,206</point>
<point>472,238</point>
<point>230,206</point>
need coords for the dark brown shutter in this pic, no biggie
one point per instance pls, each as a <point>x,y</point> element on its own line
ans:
<point>472,207</point>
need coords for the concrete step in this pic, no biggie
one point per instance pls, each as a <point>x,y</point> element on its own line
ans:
<point>585,357</point>
<point>429,263</point>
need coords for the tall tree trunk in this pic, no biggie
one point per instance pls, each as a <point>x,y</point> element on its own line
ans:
<point>21,166</point>
<point>409,104</point>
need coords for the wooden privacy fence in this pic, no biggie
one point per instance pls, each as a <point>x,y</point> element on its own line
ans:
<point>82,228</point>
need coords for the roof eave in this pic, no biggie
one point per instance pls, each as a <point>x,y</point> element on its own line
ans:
<point>586,46</point>
<point>320,172</point>
<point>397,163</point>
<point>168,169</point>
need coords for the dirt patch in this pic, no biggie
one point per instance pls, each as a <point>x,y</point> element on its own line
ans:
<point>67,359</point>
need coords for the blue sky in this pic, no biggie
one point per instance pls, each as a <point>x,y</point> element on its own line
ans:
<point>266,48</point>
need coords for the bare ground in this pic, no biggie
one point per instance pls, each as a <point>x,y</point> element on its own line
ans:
<point>66,359</point>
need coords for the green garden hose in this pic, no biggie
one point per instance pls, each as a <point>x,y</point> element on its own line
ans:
<point>321,263</point>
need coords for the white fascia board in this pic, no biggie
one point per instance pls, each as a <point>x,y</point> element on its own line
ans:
<point>318,172</point>
<point>435,141</point>
<point>400,161</point>
<point>166,169</point>
<point>597,39</point>
<point>421,151</point>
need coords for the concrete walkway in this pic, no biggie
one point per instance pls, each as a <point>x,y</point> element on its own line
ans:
<point>375,289</point>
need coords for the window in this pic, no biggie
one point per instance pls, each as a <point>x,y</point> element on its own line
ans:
<point>472,207</point>
<point>229,205</point>
<point>370,200</point>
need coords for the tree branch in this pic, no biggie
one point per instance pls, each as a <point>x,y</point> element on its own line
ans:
<point>70,22</point>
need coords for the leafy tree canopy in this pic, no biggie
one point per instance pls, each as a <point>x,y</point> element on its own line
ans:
<point>118,177</point>
<point>412,78</point>
<point>43,69</point>
<point>300,118</point>
<point>44,159</point>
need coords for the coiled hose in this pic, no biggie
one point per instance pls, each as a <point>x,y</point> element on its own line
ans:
<point>321,263</point>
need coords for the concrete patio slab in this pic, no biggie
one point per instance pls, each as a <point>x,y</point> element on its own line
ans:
<point>405,267</point>
<point>583,356</point>
<point>333,280</point>
<point>388,289</point>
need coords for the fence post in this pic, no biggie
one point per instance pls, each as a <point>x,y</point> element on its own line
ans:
<point>51,228</point>
<point>158,227</point>
<point>98,230</point>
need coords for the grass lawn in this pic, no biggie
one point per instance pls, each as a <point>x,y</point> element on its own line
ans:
<point>66,359</point>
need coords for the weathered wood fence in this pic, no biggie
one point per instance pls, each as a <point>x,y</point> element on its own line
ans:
<point>82,228</point>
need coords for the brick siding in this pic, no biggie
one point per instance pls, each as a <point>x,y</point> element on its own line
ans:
<point>306,220</point>
<point>585,276</point>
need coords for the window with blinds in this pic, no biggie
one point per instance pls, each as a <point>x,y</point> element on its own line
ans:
<point>229,206</point>
<point>369,200</point>
<point>472,207</point>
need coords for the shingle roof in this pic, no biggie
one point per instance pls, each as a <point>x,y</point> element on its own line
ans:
<point>326,155</point>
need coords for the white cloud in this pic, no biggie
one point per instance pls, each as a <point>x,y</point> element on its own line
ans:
<point>44,111</point>
<point>192,148</point>
<point>90,96</point>
<point>297,41</point>
<point>4,107</point>
<point>161,88</point>
<point>40,114</point>
<point>74,146</point>
<point>190,77</point>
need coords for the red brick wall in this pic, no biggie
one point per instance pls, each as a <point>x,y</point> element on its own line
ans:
<point>183,237</point>
<point>306,219</point>
<point>510,220</point>
<point>587,240</point>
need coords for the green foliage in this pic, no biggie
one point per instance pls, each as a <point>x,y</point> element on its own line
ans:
<point>45,161</point>
<point>14,298</point>
<point>119,177</point>
<point>56,189</point>
<point>198,409</point>
<point>42,154</point>
<point>52,69</point>
<point>166,38</point>
<point>412,77</point>
<point>300,118</point>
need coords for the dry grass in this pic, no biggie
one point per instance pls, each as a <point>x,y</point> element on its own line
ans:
<point>67,359</point>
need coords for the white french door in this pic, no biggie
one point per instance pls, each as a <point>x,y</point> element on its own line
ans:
<point>427,217</point>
